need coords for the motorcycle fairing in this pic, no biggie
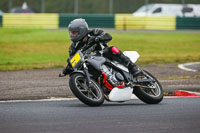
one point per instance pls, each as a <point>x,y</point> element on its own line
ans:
<point>76,60</point>
<point>96,61</point>
<point>118,94</point>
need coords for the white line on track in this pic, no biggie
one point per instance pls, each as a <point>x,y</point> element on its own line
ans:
<point>68,99</point>
<point>182,66</point>
<point>51,99</point>
<point>40,100</point>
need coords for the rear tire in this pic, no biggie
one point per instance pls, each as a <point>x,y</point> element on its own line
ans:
<point>92,96</point>
<point>147,95</point>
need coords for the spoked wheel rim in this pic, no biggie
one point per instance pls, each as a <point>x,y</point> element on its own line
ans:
<point>153,88</point>
<point>93,92</point>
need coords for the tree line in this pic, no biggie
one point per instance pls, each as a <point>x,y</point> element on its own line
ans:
<point>85,6</point>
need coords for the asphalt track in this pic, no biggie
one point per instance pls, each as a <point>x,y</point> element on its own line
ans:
<point>172,115</point>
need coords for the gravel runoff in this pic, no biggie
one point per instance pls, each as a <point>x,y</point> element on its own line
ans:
<point>45,83</point>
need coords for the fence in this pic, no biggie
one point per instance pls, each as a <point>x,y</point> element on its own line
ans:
<point>93,20</point>
<point>0,20</point>
<point>48,21</point>
<point>128,21</point>
<point>187,23</point>
<point>118,21</point>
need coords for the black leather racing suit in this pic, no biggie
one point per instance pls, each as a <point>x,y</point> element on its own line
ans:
<point>100,37</point>
<point>104,38</point>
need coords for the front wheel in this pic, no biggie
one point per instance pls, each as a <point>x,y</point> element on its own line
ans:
<point>149,92</point>
<point>92,96</point>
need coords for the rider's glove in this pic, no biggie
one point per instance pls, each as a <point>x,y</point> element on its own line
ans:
<point>97,39</point>
<point>67,70</point>
<point>94,39</point>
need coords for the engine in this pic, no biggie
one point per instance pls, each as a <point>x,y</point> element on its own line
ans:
<point>112,78</point>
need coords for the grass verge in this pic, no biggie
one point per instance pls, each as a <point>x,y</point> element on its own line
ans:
<point>38,48</point>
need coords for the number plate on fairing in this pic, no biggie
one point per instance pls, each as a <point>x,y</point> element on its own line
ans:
<point>76,60</point>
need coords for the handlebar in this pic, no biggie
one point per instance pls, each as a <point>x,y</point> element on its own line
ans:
<point>88,49</point>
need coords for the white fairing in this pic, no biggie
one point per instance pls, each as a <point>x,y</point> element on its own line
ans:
<point>117,94</point>
<point>133,55</point>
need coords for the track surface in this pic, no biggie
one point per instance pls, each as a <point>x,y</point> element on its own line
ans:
<point>39,84</point>
<point>180,115</point>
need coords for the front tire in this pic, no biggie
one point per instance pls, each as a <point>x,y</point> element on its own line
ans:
<point>151,95</point>
<point>92,96</point>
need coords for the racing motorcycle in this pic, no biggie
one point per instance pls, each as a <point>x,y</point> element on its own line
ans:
<point>95,78</point>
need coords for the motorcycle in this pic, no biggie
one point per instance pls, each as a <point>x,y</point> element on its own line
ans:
<point>95,78</point>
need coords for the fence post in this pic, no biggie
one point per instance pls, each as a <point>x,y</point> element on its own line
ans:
<point>76,6</point>
<point>43,6</point>
<point>110,6</point>
<point>9,5</point>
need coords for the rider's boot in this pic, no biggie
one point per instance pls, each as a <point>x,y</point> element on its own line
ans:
<point>119,56</point>
<point>133,68</point>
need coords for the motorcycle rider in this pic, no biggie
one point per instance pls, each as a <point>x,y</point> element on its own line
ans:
<point>81,36</point>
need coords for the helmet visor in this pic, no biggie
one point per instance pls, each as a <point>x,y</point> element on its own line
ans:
<point>74,34</point>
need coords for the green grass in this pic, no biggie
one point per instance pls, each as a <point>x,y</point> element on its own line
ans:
<point>38,48</point>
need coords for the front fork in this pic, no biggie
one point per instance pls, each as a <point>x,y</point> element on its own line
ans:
<point>87,74</point>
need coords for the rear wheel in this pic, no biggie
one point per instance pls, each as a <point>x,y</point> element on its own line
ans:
<point>149,92</point>
<point>92,96</point>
